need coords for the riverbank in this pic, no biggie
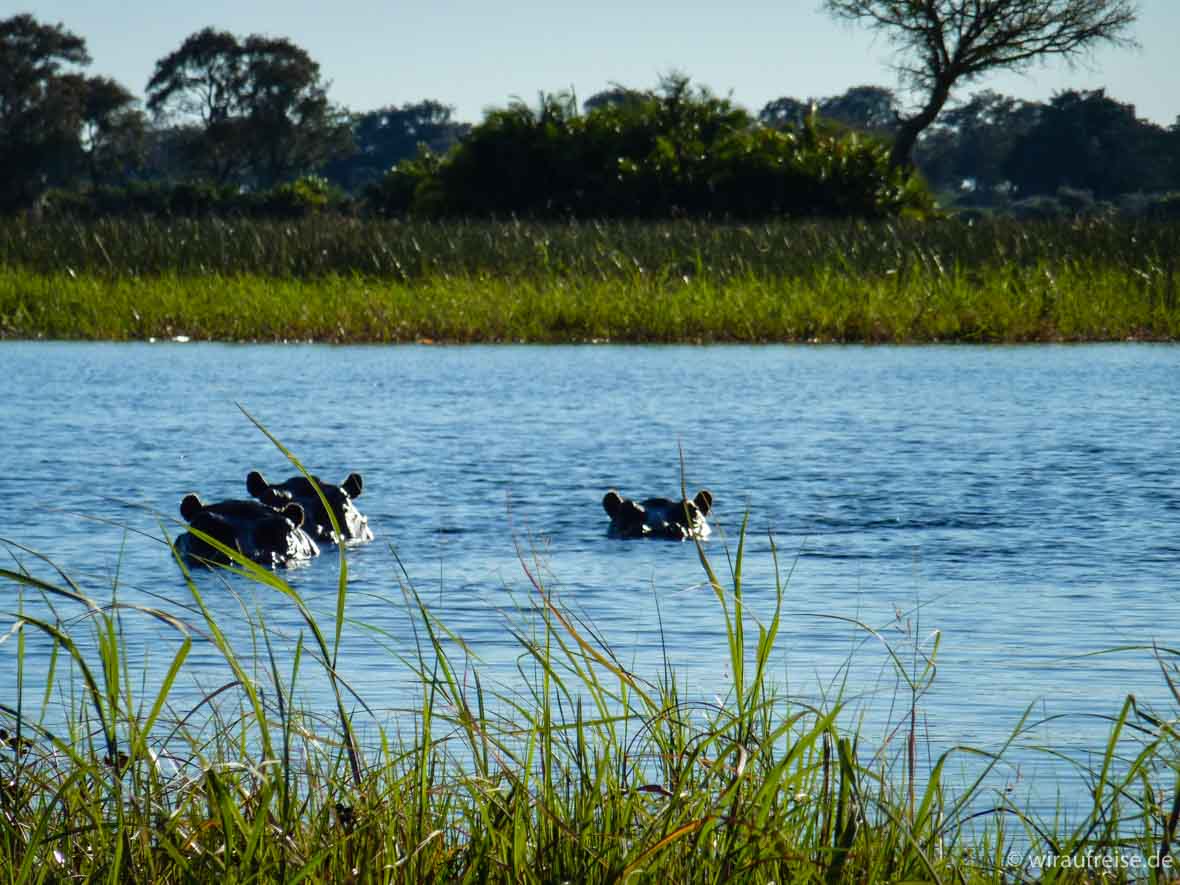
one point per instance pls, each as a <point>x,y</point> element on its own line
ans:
<point>586,773</point>
<point>347,281</point>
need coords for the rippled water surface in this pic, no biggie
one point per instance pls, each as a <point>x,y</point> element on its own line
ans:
<point>1023,501</point>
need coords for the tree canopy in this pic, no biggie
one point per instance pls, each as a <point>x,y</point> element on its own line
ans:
<point>1088,141</point>
<point>943,43</point>
<point>243,125</point>
<point>54,121</point>
<point>388,135</point>
<point>256,107</point>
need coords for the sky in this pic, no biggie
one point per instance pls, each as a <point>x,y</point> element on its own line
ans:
<point>474,55</point>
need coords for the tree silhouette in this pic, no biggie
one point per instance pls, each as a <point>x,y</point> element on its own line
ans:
<point>784,112</point>
<point>947,42</point>
<point>1088,141</point>
<point>972,142</point>
<point>259,104</point>
<point>385,137</point>
<point>55,123</point>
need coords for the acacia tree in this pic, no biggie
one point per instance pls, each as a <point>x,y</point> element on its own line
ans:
<point>948,42</point>
<point>259,106</point>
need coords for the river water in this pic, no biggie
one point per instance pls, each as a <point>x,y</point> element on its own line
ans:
<point>1024,502</point>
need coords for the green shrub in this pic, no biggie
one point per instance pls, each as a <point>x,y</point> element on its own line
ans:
<point>674,152</point>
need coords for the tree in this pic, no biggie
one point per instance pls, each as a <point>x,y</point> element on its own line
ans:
<point>291,125</point>
<point>38,105</point>
<point>259,104</point>
<point>948,42</point>
<point>197,88</point>
<point>785,112</point>
<point>113,131</point>
<point>615,96</point>
<point>1088,141</point>
<point>55,123</point>
<point>971,143</point>
<point>867,108</point>
<point>864,108</point>
<point>388,135</point>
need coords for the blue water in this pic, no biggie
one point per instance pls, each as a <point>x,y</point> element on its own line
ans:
<point>1024,502</point>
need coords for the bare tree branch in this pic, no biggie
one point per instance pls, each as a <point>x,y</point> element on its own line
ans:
<point>941,43</point>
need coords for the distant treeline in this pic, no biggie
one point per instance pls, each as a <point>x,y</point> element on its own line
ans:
<point>243,127</point>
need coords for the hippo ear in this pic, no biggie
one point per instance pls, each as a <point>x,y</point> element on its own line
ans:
<point>259,488</point>
<point>190,506</point>
<point>611,502</point>
<point>294,513</point>
<point>353,485</point>
<point>256,485</point>
<point>704,501</point>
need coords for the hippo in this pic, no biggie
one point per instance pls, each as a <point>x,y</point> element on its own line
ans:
<point>354,526</point>
<point>269,537</point>
<point>658,517</point>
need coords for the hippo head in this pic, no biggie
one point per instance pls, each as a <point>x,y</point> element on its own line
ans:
<point>354,526</point>
<point>658,517</point>
<point>267,536</point>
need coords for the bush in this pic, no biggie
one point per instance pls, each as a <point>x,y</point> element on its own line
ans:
<point>673,152</point>
<point>304,196</point>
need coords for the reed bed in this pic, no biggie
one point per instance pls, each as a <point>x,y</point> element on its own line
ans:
<point>350,280</point>
<point>586,773</point>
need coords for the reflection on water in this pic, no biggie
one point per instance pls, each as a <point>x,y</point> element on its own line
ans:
<point>1023,501</point>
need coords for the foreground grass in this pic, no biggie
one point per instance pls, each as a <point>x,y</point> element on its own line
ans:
<point>587,774</point>
<point>347,281</point>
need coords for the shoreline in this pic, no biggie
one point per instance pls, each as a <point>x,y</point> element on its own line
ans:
<point>1021,309</point>
<point>334,280</point>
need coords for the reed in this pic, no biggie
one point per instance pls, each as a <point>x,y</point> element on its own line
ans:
<point>585,772</point>
<point>346,280</point>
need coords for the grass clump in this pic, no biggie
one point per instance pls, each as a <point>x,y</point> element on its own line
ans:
<point>344,280</point>
<point>586,773</point>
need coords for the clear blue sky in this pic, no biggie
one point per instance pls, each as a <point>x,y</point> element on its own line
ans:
<point>475,55</point>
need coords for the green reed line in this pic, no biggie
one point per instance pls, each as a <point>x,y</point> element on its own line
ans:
<point>1071,302</point>
<point>411,251</point>
<point>333,279</point>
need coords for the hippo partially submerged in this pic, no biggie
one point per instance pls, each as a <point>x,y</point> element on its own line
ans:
<point>658,517</point>
<point>268,536</point>
<point>354,526</point>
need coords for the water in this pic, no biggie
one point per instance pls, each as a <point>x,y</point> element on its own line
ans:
<point>1023,501</point>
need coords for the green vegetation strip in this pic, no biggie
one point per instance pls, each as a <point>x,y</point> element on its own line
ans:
<point>342,280</point>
